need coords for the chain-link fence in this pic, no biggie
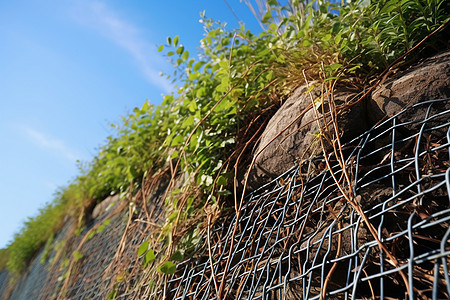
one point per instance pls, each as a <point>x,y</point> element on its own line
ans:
<point>32,284</point>
<point>298,238</point>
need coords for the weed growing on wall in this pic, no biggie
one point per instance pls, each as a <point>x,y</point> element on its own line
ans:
<point>237,76</point>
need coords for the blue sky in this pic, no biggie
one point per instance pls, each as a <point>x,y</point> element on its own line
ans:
<point>70,68</point>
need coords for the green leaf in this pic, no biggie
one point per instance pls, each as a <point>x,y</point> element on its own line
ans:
<point>337,39</point>
<point>173,216</point>
<point>353,69</point>
<point>143,248</point>
<point>193,76</point>
<point>112,295</point>
<point>176,256</point>
<point>310,88</point>
<point>390,6</point>
<point>77,255</point>
<point>222,180</point>
<point>150,256</point>
<point>185,55</point>
<point>330,78</point>
<point>151,285</point>
<point>189,202</point>
<point>169,40</point>
<point>178,140</point>
<point>91,235</point>
<point>267,17</point>
<point>273,27</point>
<point>198,65</point>
<point>193,105</point>
<point>307,43</point>
<point>180,50</point>
<point>146,106</point>
<point>189,121</point>
<point>190,63</point>
<point>333,67</point>
<point>326,38</point>
<point>175,154</point>
<point>101,228</point>
<point>160,48</point>
<point>167,268</point>
<point>175,41</point>
<point>225,193</point>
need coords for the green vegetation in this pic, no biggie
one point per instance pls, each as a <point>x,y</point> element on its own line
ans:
<point>35,233</point>
<point>4,255</point>
<point>236,77</point>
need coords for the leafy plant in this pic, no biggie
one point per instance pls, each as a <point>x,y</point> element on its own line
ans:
<point>167,268</point>
<point>147,253</point>
<point>34,234</point>
<point>203,129</point>
<point>4,256</point>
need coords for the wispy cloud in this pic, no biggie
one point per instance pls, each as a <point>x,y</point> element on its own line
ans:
<point>102,18</point>
<point>52,144</point>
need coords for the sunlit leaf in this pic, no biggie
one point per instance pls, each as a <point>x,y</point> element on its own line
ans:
<point>198,65</point>
<point>180,50</point>
<point>222,180</point>
<point>143,248</point>
<point>185,55</point>
<point>167,268</point>
<point>149,256</point>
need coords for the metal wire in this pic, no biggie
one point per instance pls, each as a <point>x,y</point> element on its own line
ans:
<point>296,237</point>
<point>288,232</point>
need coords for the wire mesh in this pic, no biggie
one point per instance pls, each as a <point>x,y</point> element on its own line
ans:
<point>33,283</point>
<point>298,238</point>
<point>295,237</point>
<point>109,262</point>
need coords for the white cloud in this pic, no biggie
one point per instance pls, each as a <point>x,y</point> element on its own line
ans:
<point>106,21</point>
<point>52,144</point>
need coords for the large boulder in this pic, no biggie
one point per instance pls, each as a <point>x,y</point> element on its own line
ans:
<point>291,134</point>
<point>101,208</point>
<point>428,80</point>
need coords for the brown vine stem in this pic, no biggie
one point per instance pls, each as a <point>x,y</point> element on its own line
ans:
<point>349,197</point>
<point>239,158</point>
<point>370,285</point>
<point>323,292</point>
<point>380,79</point>
<point>85,238</point>
<point>238,209</point>
<point>121,247</point>
<point>210,254</point>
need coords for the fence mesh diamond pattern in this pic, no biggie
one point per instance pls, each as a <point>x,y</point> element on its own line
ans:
<point>298,238</point>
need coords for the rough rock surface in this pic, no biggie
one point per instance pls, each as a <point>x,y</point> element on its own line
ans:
<point>290,135</point>
<point>277,153</point>
<point>426,81</point>
<point>286,149</point>
<point>102,207</point>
